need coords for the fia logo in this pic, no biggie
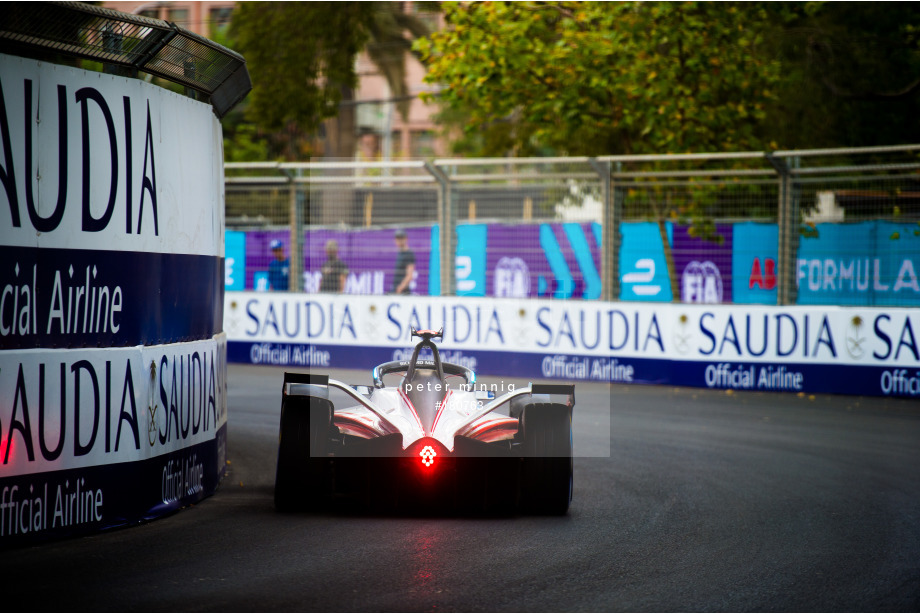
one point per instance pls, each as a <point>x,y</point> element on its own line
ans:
<point>512,278</point>
<point>701,282</point>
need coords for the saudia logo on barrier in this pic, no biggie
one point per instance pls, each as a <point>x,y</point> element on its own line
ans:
<point>89,411</point>
<point>87,162</point>
<point>105,406</point>
<point>602,341</point>
<point>284,319</point>
<point>90,103</point>
<point>186,396</point>
<point>686,331</point>
<point>78,302</point>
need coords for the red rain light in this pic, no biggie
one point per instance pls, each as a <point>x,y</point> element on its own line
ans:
<point>427,454</point>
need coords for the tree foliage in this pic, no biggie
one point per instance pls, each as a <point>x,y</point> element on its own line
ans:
<point>589,78</point>
<point>300,56</point>
<point>649,77</point>
<point>851,74</point>
<point>603,78</point>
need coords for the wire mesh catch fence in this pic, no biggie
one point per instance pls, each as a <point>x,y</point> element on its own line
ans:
<point>837,227</point>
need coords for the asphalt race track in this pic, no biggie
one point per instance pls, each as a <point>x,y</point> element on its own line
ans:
<point>708,501</point>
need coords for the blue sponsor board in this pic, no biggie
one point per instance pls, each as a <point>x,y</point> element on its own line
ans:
<point>867,263</point>
<point>72,502</point>
<point>754,257</point>
<point>55,298</point>
<point>643,268</point>
<point>470,262</point>
<point>716,374</point>
<point>235,260</point>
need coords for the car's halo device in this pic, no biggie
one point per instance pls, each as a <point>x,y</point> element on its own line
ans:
<point>434,440</point>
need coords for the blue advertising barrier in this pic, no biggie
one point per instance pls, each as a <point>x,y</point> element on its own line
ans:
<point>866,263</point>
<point>112,275</point>
<point>866,351</point>
<point>754,263</point>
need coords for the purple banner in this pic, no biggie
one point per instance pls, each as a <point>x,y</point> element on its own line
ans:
<point>369,255</point>
<point>704,266</point>
<point>531,260</point>
<point>543,260</point>
<point>515,263</point>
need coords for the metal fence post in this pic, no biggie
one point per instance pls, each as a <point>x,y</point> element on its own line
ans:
<point>618,196</point>
<point>787,220</point>
<point>295,242</point>
<point>793,201</point>
<point>447,225</point>
<point>611,215</point>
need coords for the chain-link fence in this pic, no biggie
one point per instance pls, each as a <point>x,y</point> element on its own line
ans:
<point>796,227</point>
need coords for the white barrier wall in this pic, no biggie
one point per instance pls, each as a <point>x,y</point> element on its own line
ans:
<point>112,356</point>
<point>866,351</point>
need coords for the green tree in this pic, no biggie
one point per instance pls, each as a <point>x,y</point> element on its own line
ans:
<point>300,58</point>
<point>851,74</point>
<point>602,78</point>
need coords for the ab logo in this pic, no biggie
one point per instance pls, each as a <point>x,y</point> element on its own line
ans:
<point>765,279</point>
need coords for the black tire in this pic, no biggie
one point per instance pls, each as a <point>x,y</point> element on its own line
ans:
<point>518,404</point>
<point>546,470</point>
<point>302,478</point>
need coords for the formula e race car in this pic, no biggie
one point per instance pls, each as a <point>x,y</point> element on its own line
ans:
<point>432,442</point>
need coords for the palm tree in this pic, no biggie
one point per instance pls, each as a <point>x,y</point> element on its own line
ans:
<point>387,48</point>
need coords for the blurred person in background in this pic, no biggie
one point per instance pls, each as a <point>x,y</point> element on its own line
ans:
<point>405,264</point>
<point>279,268</point>
<point>334,270</point>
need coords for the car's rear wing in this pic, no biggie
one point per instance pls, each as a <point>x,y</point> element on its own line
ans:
<point>305,378</point>
<point>562,389</point>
